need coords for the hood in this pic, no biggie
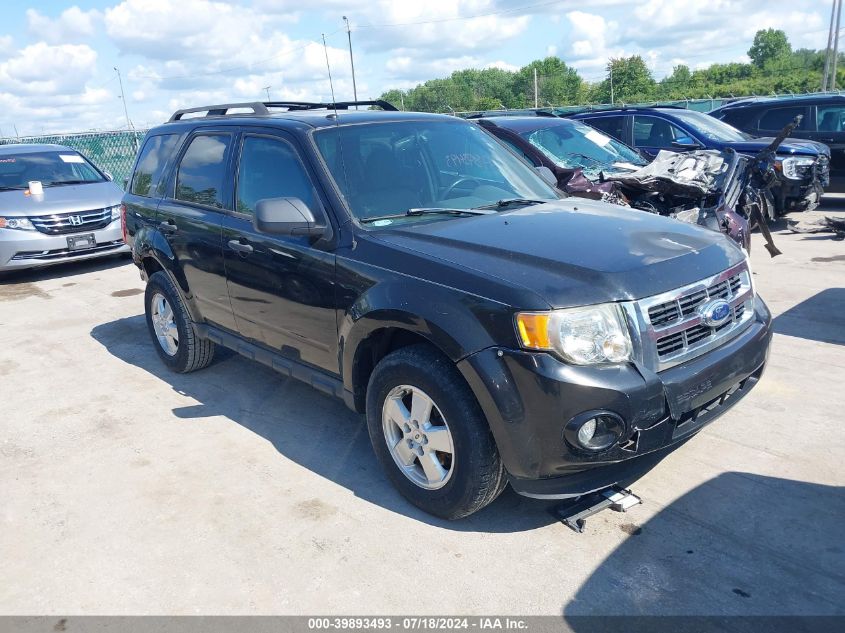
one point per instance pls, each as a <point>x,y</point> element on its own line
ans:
<point>62,199</point>
<point>575,251</point>
<point>789,146</point>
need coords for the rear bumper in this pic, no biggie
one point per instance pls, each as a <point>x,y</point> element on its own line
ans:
<point>20,250</point>
<point>529,398</point>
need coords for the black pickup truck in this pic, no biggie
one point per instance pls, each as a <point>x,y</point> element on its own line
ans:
<point>493,331</point>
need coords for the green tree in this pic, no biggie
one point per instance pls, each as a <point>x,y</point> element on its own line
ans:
<point>628,80</point>
<point>558,84</point>
<point>769,45</point>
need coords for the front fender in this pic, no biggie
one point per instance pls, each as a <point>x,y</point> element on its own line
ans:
<point>455,322</point>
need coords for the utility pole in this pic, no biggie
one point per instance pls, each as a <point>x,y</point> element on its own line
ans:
<point>611,82</point>
<point>351,59</point>
<point>836,46</point>
<point>536,94</point>
<point>125,111</point>
<point>267,90</point>
<point>829,44</point>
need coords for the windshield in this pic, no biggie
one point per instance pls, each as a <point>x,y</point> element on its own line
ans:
<point>388,168</point>
<point>710,127</point>
<point>575,145</point>
<point>50,168</point>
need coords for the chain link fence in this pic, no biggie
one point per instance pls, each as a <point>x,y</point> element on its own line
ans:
<point>113,152</point>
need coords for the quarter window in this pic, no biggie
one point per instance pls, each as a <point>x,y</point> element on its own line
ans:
<point>202,171</point>
<point>151,163</point>
<point>270,168</point>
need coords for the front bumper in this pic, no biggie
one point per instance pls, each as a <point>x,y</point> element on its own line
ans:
<point>31,249</point>
<point>528,398</point>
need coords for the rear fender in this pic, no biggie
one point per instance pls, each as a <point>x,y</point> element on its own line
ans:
<point>151,244</point>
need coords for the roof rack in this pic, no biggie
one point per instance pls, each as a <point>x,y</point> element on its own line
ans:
<point>503,113</point>
<point>263,108</point>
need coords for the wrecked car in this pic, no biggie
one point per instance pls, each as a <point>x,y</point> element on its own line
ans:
<point>705,187</point>
<point>802,167</point>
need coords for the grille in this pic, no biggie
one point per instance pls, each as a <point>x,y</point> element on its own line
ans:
<point>76,222</point>
<point>675,327</point>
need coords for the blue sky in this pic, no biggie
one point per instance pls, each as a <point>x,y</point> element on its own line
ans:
<point>57,59</point>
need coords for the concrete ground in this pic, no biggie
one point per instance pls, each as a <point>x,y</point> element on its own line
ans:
<point>125,489</point>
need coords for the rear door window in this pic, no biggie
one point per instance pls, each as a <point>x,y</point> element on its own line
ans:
<point>776,119</point>
<point>201,176</point>
<point>151,163</point>
<point>611,125</point>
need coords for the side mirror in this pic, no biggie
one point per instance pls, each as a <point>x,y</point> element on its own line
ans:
<point>108,175</point>
<point>286,216</point>
<point>547,175</point>
<point>685,142</point>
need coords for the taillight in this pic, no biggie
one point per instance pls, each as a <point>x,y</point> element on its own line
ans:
<point>123,222</point>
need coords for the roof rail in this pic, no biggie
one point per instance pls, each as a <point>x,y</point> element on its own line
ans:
<point>263,108</point>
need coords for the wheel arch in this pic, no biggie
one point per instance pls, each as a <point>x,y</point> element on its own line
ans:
<point>155,255</point>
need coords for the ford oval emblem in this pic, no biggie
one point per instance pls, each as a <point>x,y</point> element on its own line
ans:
<point>715,313</point>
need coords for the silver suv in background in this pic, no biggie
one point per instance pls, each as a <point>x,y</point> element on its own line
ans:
<point>55,206</point>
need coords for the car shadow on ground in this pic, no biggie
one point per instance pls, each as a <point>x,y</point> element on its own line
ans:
<point>819,318</point>
<point>739,544</point>
<point>68,269</point>
<point>314,430</point>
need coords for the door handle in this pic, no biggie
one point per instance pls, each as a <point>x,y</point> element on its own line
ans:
<point>236,245</point>
<point>168,227</point>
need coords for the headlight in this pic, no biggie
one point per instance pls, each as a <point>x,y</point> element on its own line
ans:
<point>583,336</point>
<point>115,212</point>
<point>793,166</point>
<point>22,224</point>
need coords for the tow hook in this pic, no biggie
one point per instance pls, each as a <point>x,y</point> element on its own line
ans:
<point>573,514</point>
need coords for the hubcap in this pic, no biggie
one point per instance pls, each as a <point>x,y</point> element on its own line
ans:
<point>418,437</point>
<point>164,325</point>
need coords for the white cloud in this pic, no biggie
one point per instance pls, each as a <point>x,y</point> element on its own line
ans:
<point>43,69</point>
<point>73,25</point>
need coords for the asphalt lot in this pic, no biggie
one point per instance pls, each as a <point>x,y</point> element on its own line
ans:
<point>125,489</point>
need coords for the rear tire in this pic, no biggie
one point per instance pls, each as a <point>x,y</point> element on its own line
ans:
<point>171,328</point>
<point>430,434</point>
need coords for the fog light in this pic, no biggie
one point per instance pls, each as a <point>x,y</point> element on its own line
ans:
<point>587,432</point>
<point>594,430</point>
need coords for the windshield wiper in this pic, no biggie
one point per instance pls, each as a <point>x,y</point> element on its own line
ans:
<point>425,211</point>
<point>510,202</point>
<point>12,188</point>
<point>58,183</point>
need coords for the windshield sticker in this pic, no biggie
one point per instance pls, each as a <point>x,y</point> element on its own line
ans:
<point>382,222</point>
<point>72,158</point>
<point>598,138</point>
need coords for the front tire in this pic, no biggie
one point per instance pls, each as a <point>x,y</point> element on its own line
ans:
<point>430,434</point>
<point>171,328</point>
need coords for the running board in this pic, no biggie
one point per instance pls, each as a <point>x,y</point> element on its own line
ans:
<point>574,515</point>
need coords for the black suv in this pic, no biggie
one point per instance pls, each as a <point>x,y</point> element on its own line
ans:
<point>823,120</point>
<point>412,265</point>
<point>803,167</point>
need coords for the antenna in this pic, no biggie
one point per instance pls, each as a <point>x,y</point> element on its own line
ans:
<point>336,123</point>
<point>329,68</point>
